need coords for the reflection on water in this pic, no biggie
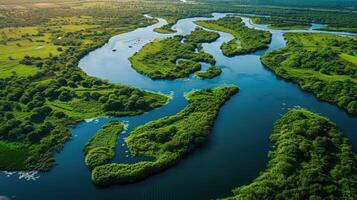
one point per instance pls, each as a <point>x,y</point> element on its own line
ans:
<point>236,151</point>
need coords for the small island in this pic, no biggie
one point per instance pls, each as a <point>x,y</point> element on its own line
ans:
<point>210,73</point>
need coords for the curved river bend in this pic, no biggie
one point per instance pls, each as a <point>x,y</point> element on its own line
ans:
<point>237,149</point>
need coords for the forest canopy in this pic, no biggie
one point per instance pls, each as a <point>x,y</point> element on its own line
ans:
<point>310,159</point>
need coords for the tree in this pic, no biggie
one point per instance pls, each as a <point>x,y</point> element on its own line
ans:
<point>39,114</point>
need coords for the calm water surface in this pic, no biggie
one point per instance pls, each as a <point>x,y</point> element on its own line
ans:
<point>234,154</point>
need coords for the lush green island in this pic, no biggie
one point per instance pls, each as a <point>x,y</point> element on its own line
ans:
<point>323,64</point>
<point>167,139</point>
<point>246,40</point>
<point>210,73</point>
<point>42,89</point>
<point>174,57</point>
<point>310,159</point>
<point>100,149</point>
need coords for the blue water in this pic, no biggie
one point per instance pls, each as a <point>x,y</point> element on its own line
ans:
<point>236,151</point>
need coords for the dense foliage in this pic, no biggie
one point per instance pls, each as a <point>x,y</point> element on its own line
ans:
<point>174,57</point>
<point>210,73</point>
<point>42,90</point>
<point>310,160</point>
<point>199,36</point>
<point>100,149</point>
<point>167,139</point>
<point>324,64</point>
<point>35,110</point>
<point>246,40</point>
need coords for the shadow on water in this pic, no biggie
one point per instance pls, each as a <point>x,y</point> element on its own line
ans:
<point>236,151</point>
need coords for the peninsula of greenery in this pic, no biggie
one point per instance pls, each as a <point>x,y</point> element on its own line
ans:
<point>282,23</point>
<point>168,139</point>
<point>246,40</point>
<point>174,57</point>
<point>100,149</point>
<point>324,64</point>
<point>166,29</point>
<point>310,159</point>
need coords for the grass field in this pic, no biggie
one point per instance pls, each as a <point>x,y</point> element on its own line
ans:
<point>38,41</point>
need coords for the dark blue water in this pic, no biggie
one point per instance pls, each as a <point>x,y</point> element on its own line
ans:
<point>235,153</point>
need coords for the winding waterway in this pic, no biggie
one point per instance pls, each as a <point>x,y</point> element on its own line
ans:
<point>237,149</point>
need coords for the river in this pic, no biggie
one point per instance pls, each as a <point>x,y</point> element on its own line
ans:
<point>236,151</point>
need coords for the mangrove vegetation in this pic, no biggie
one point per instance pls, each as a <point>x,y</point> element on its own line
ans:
<point>100,149</point>
<point>168,139</point>
<point>174,57</point>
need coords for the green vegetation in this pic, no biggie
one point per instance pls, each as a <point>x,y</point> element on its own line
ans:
<point>100,149</point>
<point>334,28</point>
<point>282,23</point>
<point>166,29</point>
<point>199,36</point>
<point>333,4</point>
<point>338,19</point>
<point>167,139</point>
<point>246,40</point>
<point>290,23</point>
<point>323,64</point>
<point>42,89</point>
<point>310,160</point>
<point>11,150</point>
<point>174,57</point>
<point>210,73</point>
<point>36,110</point>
